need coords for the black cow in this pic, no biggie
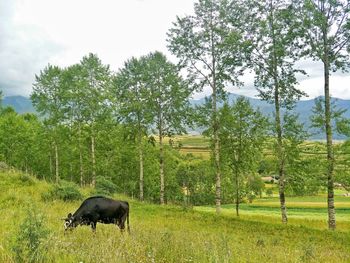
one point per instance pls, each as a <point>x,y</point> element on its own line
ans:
<point>99,209</point>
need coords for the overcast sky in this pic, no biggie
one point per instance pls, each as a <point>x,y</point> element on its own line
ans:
<point>34,33</point>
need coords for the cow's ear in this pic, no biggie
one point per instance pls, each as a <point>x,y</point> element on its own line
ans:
<point>69,215</point>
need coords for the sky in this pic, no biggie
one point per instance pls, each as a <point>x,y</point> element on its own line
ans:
<point>35,33</point>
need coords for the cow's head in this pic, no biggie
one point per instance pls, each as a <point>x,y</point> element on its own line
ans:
<point>69,222</point>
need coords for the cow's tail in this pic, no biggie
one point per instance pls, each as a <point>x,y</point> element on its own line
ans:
<point>127,218</point>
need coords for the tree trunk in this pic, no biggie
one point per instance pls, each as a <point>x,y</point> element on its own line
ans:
<point>281,173</point>
<point>161,162</point>
<point>330,154</point>
<point>217,168</point>
<point>26,166</point>
<point>81,160</point>
<point>93,159</point>
<point>141,166</point>
<point>215,123</point>
<point>278,125</point>
<point>51,164</point>
<point>56,163</point>
<point>237,194</point>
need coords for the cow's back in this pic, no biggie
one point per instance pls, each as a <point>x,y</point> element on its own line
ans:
<point>103,207</point>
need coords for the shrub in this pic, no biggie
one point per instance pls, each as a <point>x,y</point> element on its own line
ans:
<point>4,167</point>
<point>65,191</point>
<point>29,242</point>
<point>251,197</point>
<point>105,186</point>
<point>26,180</point>
<point>269,192</point>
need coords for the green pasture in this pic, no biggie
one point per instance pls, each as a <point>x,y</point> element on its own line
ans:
<point>177,234</point>
<point>189,141</point>
<point>309,211</point>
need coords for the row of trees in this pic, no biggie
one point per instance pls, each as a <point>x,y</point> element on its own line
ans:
<point>146,95</point>
<point>215,46</point>
<point>223,37</point>
<point>26,143</point>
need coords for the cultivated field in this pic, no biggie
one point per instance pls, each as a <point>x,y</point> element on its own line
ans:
<point>177,234</point>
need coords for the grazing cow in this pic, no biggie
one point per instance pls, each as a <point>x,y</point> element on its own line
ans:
<point>99,209</point>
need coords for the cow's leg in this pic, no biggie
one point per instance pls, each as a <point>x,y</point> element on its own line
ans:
<point>122,223</point>
<point>93,226</point>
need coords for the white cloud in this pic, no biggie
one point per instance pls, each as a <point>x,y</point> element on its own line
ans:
<point>339,86</point>
<point>34,33</point>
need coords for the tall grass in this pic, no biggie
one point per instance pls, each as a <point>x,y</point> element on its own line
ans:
<point>165,234</point>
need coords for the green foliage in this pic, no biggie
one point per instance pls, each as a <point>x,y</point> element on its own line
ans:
<point>29,243</point>
<point>339,123</point>
<point>66,191</point>
<point>196,178</point>
<point>243,130</point>
<point>269,192</point>
<point>325,25</point>
<point>3,167</point>
<point>26,179</point>
<point>105,186</point>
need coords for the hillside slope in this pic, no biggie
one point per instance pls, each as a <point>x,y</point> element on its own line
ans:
<point>159,234</point>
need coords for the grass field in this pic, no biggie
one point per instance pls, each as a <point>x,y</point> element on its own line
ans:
<point>198,145</point>
<point>176,234</point>
<point>310,211</point>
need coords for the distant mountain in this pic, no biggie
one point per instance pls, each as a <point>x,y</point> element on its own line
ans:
<point>20,104</point>
<point>23,104</point>
<point>303,109</point>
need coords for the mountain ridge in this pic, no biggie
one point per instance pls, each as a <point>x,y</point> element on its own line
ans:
<point>303,108</point>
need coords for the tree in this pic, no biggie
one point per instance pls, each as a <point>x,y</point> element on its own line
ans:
<point>298,168</point>
<point>210,46</point>
<point>243,131</point>
<point>96,80</point>
<point>76,104</point>
<point>194,176</point>
<point>169,96</point>
<point>342,174</point>
<point>326,28</point>
<point>133,97</point>
<point>271,28</point>
<point>19,140</point>
<point>47,100</point>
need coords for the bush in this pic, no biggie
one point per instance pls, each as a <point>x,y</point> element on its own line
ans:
<point>269,192</point>
<point>105,186</point>
<point>251,197</point>
<point>4,167</point>
<point>65,191</point>
<point>29,242</point>
<point>26,180</point>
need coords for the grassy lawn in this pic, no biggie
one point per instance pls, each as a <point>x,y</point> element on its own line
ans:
<point>174,234</point>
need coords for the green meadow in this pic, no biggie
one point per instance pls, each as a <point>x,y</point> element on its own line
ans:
<point>174,233</point>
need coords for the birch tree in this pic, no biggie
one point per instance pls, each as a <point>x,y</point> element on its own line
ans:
<point>326,28</point>
<point>272,30</point>
<point>133,98</point>
<point>209,46</point>
<point>47,100</point>
<point>169,96</point>
<point>96,80</point>
<point>243,130</point>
